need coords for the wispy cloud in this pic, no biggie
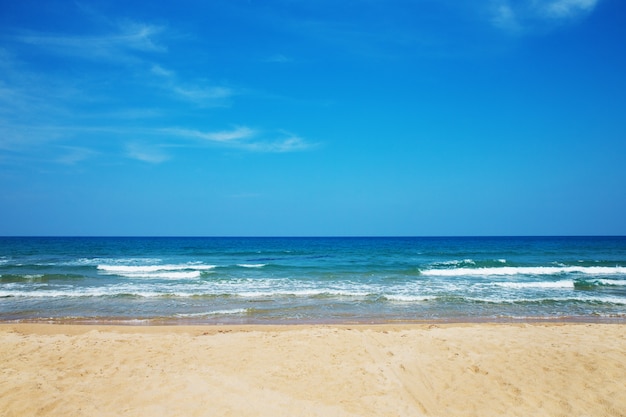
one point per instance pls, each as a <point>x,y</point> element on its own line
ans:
<point>568,8</point>
<point>123,47</point>
<point>204,94</point>
<point>158,70</point>
<point>114,46</point>
<point>288,143</point>
<point>230,135</point>
<point>504,17</point>
<point>248,139</point>
<point>199,92</point>
<point>145,153</point>
<point>59,116</point>
<point>526,15</point>
<point>236,134</point>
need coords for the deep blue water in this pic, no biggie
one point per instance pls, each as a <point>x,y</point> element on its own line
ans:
<point>302,280</point>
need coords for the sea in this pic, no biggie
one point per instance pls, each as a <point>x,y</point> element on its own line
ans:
<point>296,280</point>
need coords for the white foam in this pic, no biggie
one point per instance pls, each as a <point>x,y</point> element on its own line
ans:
<point>32,276</point>
<point>52,294</point>
<point>291,292</point>
<point>214,313</point>
<point>457,262</point>
<point>565,299</point>
<point>525,270</point>
<point>113,261</point>
<point>256,294</point>
<point>115,269</point>
<point>614,282</point>
<point>165,275</point>
<point>409,298</point>
<point>168,271</point>
<point>542,284</point>
<point>251,265</point>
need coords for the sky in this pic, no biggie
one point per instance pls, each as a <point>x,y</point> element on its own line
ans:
<point>313,118</point>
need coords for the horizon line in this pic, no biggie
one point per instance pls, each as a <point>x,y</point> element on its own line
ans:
<point>312,236</point>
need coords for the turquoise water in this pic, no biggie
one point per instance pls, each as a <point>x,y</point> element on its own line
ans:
<point>304,280</point>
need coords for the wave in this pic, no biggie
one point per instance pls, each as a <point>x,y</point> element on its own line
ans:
<point>586,299</point>
<point>350,296</point>
<point>526,270</point>
<point>606,282</point>
<point>214,313</point>
<point>542,284</point>
<point>152,268</point>
<point>165,275</point>
<point>408,298</point>
<point>251,265</point>
<point>100,261</point>
<point>171,271</point>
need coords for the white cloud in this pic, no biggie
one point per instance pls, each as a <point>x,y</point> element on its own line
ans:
<point>199,92</point>
<point>203,94</point>
<point>289,144</point>
<point>161,72</point>
<point>139,36</point>
<point>145,153</point>
<point>71,119</point>
<point>230,135</point>
<point>528,15</point>
<point>504,17</point>
<point>568,8</point>
<point>115,46</point>
<point>238,133</point>
<point>247,139</point>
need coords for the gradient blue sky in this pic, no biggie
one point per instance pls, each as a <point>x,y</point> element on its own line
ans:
<point>293,117</point>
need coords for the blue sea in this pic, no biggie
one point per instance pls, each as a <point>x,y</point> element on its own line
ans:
<point>231,280</point>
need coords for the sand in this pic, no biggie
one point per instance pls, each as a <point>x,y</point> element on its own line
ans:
<point>363,370</point>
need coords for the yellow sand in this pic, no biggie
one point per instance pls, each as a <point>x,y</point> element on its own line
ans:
<point>387,370</point>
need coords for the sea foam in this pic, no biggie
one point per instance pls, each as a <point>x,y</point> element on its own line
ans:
<point>525,270</point>
<point>171,271</point>
<point>542,284</point>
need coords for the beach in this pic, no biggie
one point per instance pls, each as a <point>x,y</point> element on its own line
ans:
<point>437,369</point>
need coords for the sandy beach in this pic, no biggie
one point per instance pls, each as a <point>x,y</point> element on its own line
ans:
<point>321,370</point>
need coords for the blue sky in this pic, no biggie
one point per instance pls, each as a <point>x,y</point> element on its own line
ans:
<point>293,117</point>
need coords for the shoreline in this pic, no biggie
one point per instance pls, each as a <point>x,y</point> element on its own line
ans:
<point>392,369</point>
<point>173,322</point>
<point>167,326</point>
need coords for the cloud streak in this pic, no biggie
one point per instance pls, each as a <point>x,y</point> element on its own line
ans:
<point>116,111</point>
<point>567,8</point>
<point>199,93</point>
<point>117,46</point>
<point>519,16</point>
<point>247,139</point>
<point>145,153</point>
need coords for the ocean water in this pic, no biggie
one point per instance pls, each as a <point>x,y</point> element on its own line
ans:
<point>312,280</point>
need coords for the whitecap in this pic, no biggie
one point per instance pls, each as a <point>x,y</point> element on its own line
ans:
<point>214,313</point>
<point>525,270</point>
<point>152,268</point>
<point>542,284</point>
